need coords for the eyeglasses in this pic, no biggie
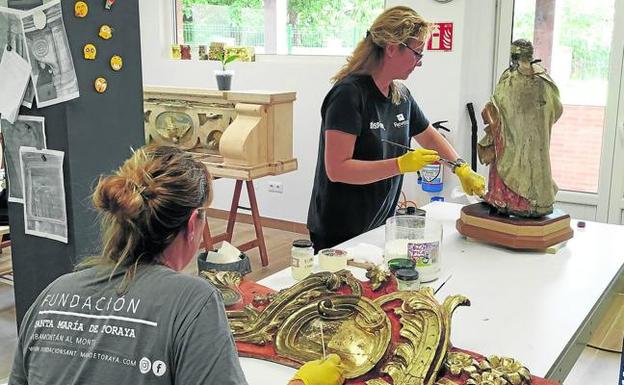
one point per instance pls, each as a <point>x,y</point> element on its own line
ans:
<point>417,54</point>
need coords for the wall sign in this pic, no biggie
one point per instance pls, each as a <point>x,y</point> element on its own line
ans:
<point>441,37</point>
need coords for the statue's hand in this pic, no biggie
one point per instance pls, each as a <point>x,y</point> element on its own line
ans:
<point>472,183</point>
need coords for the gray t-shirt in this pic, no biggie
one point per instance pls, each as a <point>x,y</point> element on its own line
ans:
<point>168,328</point>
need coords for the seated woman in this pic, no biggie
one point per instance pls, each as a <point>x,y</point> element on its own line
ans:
<point>129,316</point>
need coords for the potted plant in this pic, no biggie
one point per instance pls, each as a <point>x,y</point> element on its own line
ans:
<point>224,76</point>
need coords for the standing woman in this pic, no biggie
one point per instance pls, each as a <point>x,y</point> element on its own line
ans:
<point>358,177</point>
<point>129,316</point>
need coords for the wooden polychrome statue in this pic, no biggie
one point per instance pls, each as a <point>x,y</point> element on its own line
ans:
<point>518,210</point>
<point>519,119</point>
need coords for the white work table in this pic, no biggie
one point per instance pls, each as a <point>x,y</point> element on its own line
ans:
<point>538,308</point>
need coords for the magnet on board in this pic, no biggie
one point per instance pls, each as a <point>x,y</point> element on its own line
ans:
<point>81,9</point>
<point>109,4</point>
<point>116,62</point>
<point>100,85</point>
<point>89,51</point>
<point>106,32</point>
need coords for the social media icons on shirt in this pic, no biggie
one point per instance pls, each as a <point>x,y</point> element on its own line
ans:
<point>157,367</point>
<point>145,365</point>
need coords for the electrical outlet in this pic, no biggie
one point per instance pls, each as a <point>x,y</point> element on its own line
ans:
<point>276,187</point>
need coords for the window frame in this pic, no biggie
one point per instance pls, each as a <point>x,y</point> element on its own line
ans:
<point>270,35</point>
<point>583,205</point>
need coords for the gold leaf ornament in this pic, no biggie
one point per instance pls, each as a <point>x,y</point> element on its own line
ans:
<point>486,378</point>
<point>458,362</point>
<point>513,371</point>
<point>378,277</point>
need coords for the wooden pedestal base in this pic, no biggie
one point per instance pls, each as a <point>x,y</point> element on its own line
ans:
<point>480,222</point>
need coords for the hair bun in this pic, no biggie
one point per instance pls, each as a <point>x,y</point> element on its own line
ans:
<point>118,196</point>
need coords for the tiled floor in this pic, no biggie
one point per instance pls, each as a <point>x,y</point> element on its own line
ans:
<point>594,367</point>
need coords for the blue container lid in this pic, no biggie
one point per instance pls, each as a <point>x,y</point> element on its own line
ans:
<point>429,187</point>
<point>437,199</point>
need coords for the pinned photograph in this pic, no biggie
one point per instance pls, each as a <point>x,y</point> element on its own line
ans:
<point>45,214</point>
<point>12,35</point>
<point>26,131</point>
<point>53,74</point>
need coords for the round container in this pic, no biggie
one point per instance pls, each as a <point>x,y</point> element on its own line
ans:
<point>407,279</point>
<point>243,266</point>
<point>401,263</point>
<point>332,259</point>
<point>416,238</point>
<point>301,258</point>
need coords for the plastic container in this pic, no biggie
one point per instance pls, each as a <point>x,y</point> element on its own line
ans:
<point>332,259</point>
<point>407,279</point>
<point>243,266</point>
<point>301,258</point>
<point>416,238</point>
<point>432,177</point>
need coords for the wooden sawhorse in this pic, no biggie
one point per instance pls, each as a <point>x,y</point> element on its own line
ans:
<point>209,240</point>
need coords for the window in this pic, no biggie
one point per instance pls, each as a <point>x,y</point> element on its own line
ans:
<point>298,27</point>
<point>572,38</point>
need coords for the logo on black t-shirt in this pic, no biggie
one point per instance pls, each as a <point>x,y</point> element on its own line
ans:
<point>401,121</point>
<point>377,125</point>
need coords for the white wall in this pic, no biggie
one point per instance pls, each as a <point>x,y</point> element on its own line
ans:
<point>442,87</point>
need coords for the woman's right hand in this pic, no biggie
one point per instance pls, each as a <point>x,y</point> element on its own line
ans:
<point>321,372</point>
<point>417,159</point>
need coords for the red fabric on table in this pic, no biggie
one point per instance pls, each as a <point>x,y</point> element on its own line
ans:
<point>267,352</point>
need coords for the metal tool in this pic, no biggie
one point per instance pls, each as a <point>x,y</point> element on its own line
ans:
<point>443,283</point>
<point>447,162</point>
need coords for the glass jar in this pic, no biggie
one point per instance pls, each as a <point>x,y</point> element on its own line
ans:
<point>332,260</point>
<point>407,279</point>
<point>301,258</point>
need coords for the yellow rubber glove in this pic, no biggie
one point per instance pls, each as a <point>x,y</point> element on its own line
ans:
<point>472,183</point>
<point>321,372</point>
<point>415,160</point>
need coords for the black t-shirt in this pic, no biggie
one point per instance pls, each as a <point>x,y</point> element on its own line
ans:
<point>355,105</point>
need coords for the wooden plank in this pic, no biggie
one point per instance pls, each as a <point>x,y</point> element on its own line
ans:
<point>250,173</point>
<point>261,96</point>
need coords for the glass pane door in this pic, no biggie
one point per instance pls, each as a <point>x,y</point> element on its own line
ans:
<point>572,38</point>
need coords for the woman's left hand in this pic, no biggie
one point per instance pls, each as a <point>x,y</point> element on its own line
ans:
<point>472,183</point>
